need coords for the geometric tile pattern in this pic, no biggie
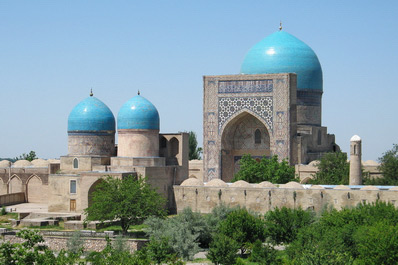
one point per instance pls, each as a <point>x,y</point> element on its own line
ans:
<point>262,106</point>
<point>246,86</point>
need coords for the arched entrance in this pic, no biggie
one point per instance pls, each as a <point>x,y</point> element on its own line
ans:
<point>36,191</point>
<point>91,190</point>
<point>245,134</point>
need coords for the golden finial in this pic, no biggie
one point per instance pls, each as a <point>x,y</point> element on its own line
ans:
<point>91,93</point>
<point>139,92</point>
<point>280,25</point>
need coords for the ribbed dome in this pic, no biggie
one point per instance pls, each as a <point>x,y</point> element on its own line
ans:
<point>91,114</point>
<point>138,113</point>
<point>281,52</point>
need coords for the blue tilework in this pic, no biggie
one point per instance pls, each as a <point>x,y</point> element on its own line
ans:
<point>138,113</point>
<point>91,114</point>
<point>281,52</point>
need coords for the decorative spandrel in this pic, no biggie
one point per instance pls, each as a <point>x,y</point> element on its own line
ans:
<point>262,106</point>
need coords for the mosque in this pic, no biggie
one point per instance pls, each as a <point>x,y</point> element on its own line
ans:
<point>273,107</point>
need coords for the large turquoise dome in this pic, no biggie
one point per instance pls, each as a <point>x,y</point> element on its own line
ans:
<point>91,115</point>
<point>281,52</point>
<point>138,113</point>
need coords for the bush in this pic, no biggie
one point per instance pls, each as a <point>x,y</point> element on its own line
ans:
<point>75,243</point>
<point>223,250</point>
<point>283,224</point>
<point>3,210</point>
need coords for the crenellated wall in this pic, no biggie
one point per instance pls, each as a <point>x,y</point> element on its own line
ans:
<point>266,196</point>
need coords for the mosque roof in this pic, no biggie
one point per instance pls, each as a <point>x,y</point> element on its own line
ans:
<point>138,113</point>
<point>282,52</point>
<point>91,114</point>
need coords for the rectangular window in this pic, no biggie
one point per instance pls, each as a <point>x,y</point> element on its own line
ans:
<point>73,186</point>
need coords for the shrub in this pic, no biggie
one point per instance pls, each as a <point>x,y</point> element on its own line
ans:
<point>263,254</point>
<point>75,243</point>
<point>223,250</point>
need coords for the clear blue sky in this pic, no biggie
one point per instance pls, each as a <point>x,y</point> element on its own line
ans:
<point>53,52</point>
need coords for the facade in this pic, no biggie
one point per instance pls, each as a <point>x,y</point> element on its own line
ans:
<point>273,107</point>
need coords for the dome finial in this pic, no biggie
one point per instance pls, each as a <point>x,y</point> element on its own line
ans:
<point>91,92</point>
<point>138,92</point>
<point>280,25</point>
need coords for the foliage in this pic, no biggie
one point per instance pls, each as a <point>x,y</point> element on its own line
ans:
<point>333,169</point>
<point>32,251</point>
<point>223,250</point>
<point>130,200</point>
<point>267,169</point>
<point>339,236</point>
<point>242,227</point>
<point>377,244</point>
<point>389,166</point>
<point>30,156</point>
<point>75,243</point>
<point>194,151</point>
<point>263,254</point>
<point>3,210</point>
<point>283,224</point>
<point>183,232</point>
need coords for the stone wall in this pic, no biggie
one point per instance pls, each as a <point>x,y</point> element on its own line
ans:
<point>266,196</point>
<point>91,243</point>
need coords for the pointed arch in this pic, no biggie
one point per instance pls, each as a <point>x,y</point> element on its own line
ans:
<point>35,190</point>
<point>92,189</point>
<point>244,134</point>
<point>75,163</point>
<point>3,187</point>
<point>15,184</point>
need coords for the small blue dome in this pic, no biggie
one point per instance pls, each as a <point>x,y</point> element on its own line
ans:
<point>281,52</point>
<point>138,113</point>
<point>91,114</point>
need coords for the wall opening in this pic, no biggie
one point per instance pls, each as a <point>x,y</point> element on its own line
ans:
<point>75,163</point>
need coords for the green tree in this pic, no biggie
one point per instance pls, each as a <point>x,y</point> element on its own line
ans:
<point>223,250</point>
<point>263,254</point>
<point>267,169</point>
<point>242,227</point>
<point>30,156</point>
<point>283,224</point>
<point>389,166</point>
<point>130,200</point>
<point>194,150</point>
<point>333,169</point>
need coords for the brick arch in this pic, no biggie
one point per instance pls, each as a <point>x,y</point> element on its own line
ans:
<point>3,187</point>
<point>15,184</point>
<point>36,192</point>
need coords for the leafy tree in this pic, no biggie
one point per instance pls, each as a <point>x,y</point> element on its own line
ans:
<point>129,200</point>
<point>283,224</point>
<point>267,169</point>
<point>30,156</point>
<point>183,232</point>
<point>242,227</point>
<point>389,166</point>
<point>263,254</point>
<point>333,169</point>
<point>223,250</point>
<point>194,150</point>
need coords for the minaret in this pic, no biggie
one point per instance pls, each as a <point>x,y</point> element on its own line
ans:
<point>355,160</point>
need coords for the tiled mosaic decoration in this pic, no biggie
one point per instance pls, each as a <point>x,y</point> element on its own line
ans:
<point>245,86</point>
<point>262,106</point>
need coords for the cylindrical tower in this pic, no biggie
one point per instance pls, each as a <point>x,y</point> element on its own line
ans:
<point>91,129</point>
<point>355,160</point>
<point>282,52</point>
<point>138,129</point>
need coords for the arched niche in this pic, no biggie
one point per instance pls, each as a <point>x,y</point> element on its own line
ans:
<point>244,134</point>
<point>36,191</point>
<point>174,149</point>
<point>15,185</point>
